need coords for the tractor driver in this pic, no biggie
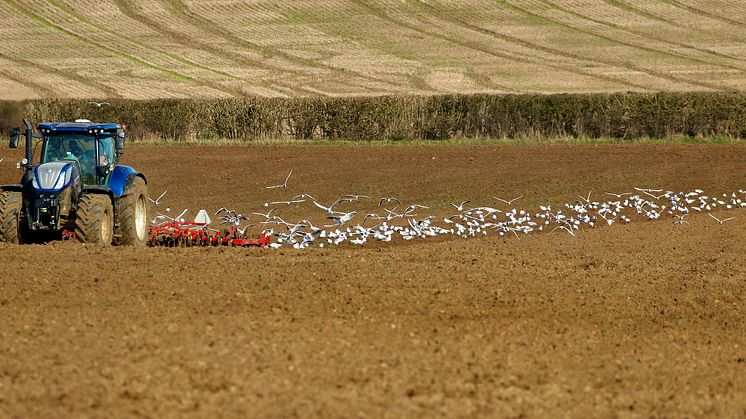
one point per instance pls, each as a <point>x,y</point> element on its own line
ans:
<point>82,156</point>
<point>75,150</point>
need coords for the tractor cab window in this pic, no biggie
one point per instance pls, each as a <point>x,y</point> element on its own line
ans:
<point>73,147</point>
<point>106,151</point>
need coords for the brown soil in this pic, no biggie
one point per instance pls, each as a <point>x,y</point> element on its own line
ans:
<point>625,320</point>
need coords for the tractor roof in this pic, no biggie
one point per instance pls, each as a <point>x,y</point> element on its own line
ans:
<point>76,126</point>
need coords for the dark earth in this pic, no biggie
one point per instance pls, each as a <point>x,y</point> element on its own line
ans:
<point>624,320</point>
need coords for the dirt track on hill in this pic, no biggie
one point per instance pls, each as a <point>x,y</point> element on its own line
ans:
<point>627,320</point>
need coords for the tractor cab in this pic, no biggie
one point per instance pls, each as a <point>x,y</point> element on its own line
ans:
<point>91,146</point>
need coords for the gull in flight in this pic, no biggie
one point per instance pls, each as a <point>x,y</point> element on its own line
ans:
<point>178,218</point>
<point>302,196</point>
<point>267,215</point>
<point>352,197</point>
<point>588,199</point>
<point>329,209</point>
<point>508,202</point>
<point>460,207</point>
<point>618,195</point>
<point>292,201</point>
<point>649,192</point>
<point>1,160</point>
<point>389,200</point>
<point>158,201</point>
<point>719,220</point>
<point>373,216</point>
<point>283,185</point>
<point>341,219</point>
<point>99,104</point>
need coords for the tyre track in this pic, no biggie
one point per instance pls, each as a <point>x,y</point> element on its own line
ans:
<point>37,88</point>
<point>69,75</point>
<point>129,57</point>
<point>214,85</point>
<point>698,11</point>
<point>130,10</point>
<point>612,40</point>
<point>500,54</point>
<point>179,8</point>
<point>634,10</point>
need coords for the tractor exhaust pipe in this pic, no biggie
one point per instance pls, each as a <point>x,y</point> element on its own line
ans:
<point>29,144</point>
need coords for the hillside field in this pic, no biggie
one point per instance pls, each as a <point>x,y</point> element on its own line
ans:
<point>147,49</point>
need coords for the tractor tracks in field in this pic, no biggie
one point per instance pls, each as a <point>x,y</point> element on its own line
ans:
<point>698,11</point>
<point>179,9</point>
<point>609,39</point>
<point>37,88</point>
<point>134,12</point>
<point>217,86</point>
<point>534,60</point>
<point>72,34</point>
<point>642,13</point>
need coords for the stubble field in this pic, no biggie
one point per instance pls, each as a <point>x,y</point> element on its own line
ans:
<point>624,320</point>
<point>149,49</point>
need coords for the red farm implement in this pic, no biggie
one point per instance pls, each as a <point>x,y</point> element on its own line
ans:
<point>187,234</point>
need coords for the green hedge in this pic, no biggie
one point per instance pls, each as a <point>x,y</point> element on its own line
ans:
<point>622,116</point>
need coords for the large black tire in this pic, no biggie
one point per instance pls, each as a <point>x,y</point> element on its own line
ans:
<point>11,226</point>
<point>132,215</point>
<point>94,219</point>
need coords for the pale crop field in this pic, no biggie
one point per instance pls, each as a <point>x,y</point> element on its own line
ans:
<point>145,49</point>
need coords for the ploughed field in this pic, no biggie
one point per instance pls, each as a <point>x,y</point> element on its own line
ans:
<point>618,320</point>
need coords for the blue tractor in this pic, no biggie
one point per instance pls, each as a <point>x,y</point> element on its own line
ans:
<point>78,186</point>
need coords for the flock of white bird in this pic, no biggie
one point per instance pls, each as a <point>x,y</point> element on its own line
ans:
<point>396,219</point>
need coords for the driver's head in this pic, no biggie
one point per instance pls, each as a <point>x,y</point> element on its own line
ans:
<point>74,148</point>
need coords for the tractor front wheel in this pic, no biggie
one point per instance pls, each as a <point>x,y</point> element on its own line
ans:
<point>11,225</point>
<point>132,215</point>
<point>94,219</point>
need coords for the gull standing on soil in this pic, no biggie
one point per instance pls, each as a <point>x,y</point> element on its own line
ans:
<point>679,220</point>
<point>284,185</point>
<point>721,222</point>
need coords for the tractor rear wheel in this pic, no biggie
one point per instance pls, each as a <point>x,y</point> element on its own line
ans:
<point>11,226</point>
<point>94,219</point>
<point>132,215</point>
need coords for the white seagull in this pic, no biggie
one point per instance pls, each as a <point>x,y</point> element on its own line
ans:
<point>719,220</point>
<point>99,104</point>
<point>283,185</point>
<point>156,201</point>
<point>460,207</point>
<point>508,202</point>
<point>341,219</point>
